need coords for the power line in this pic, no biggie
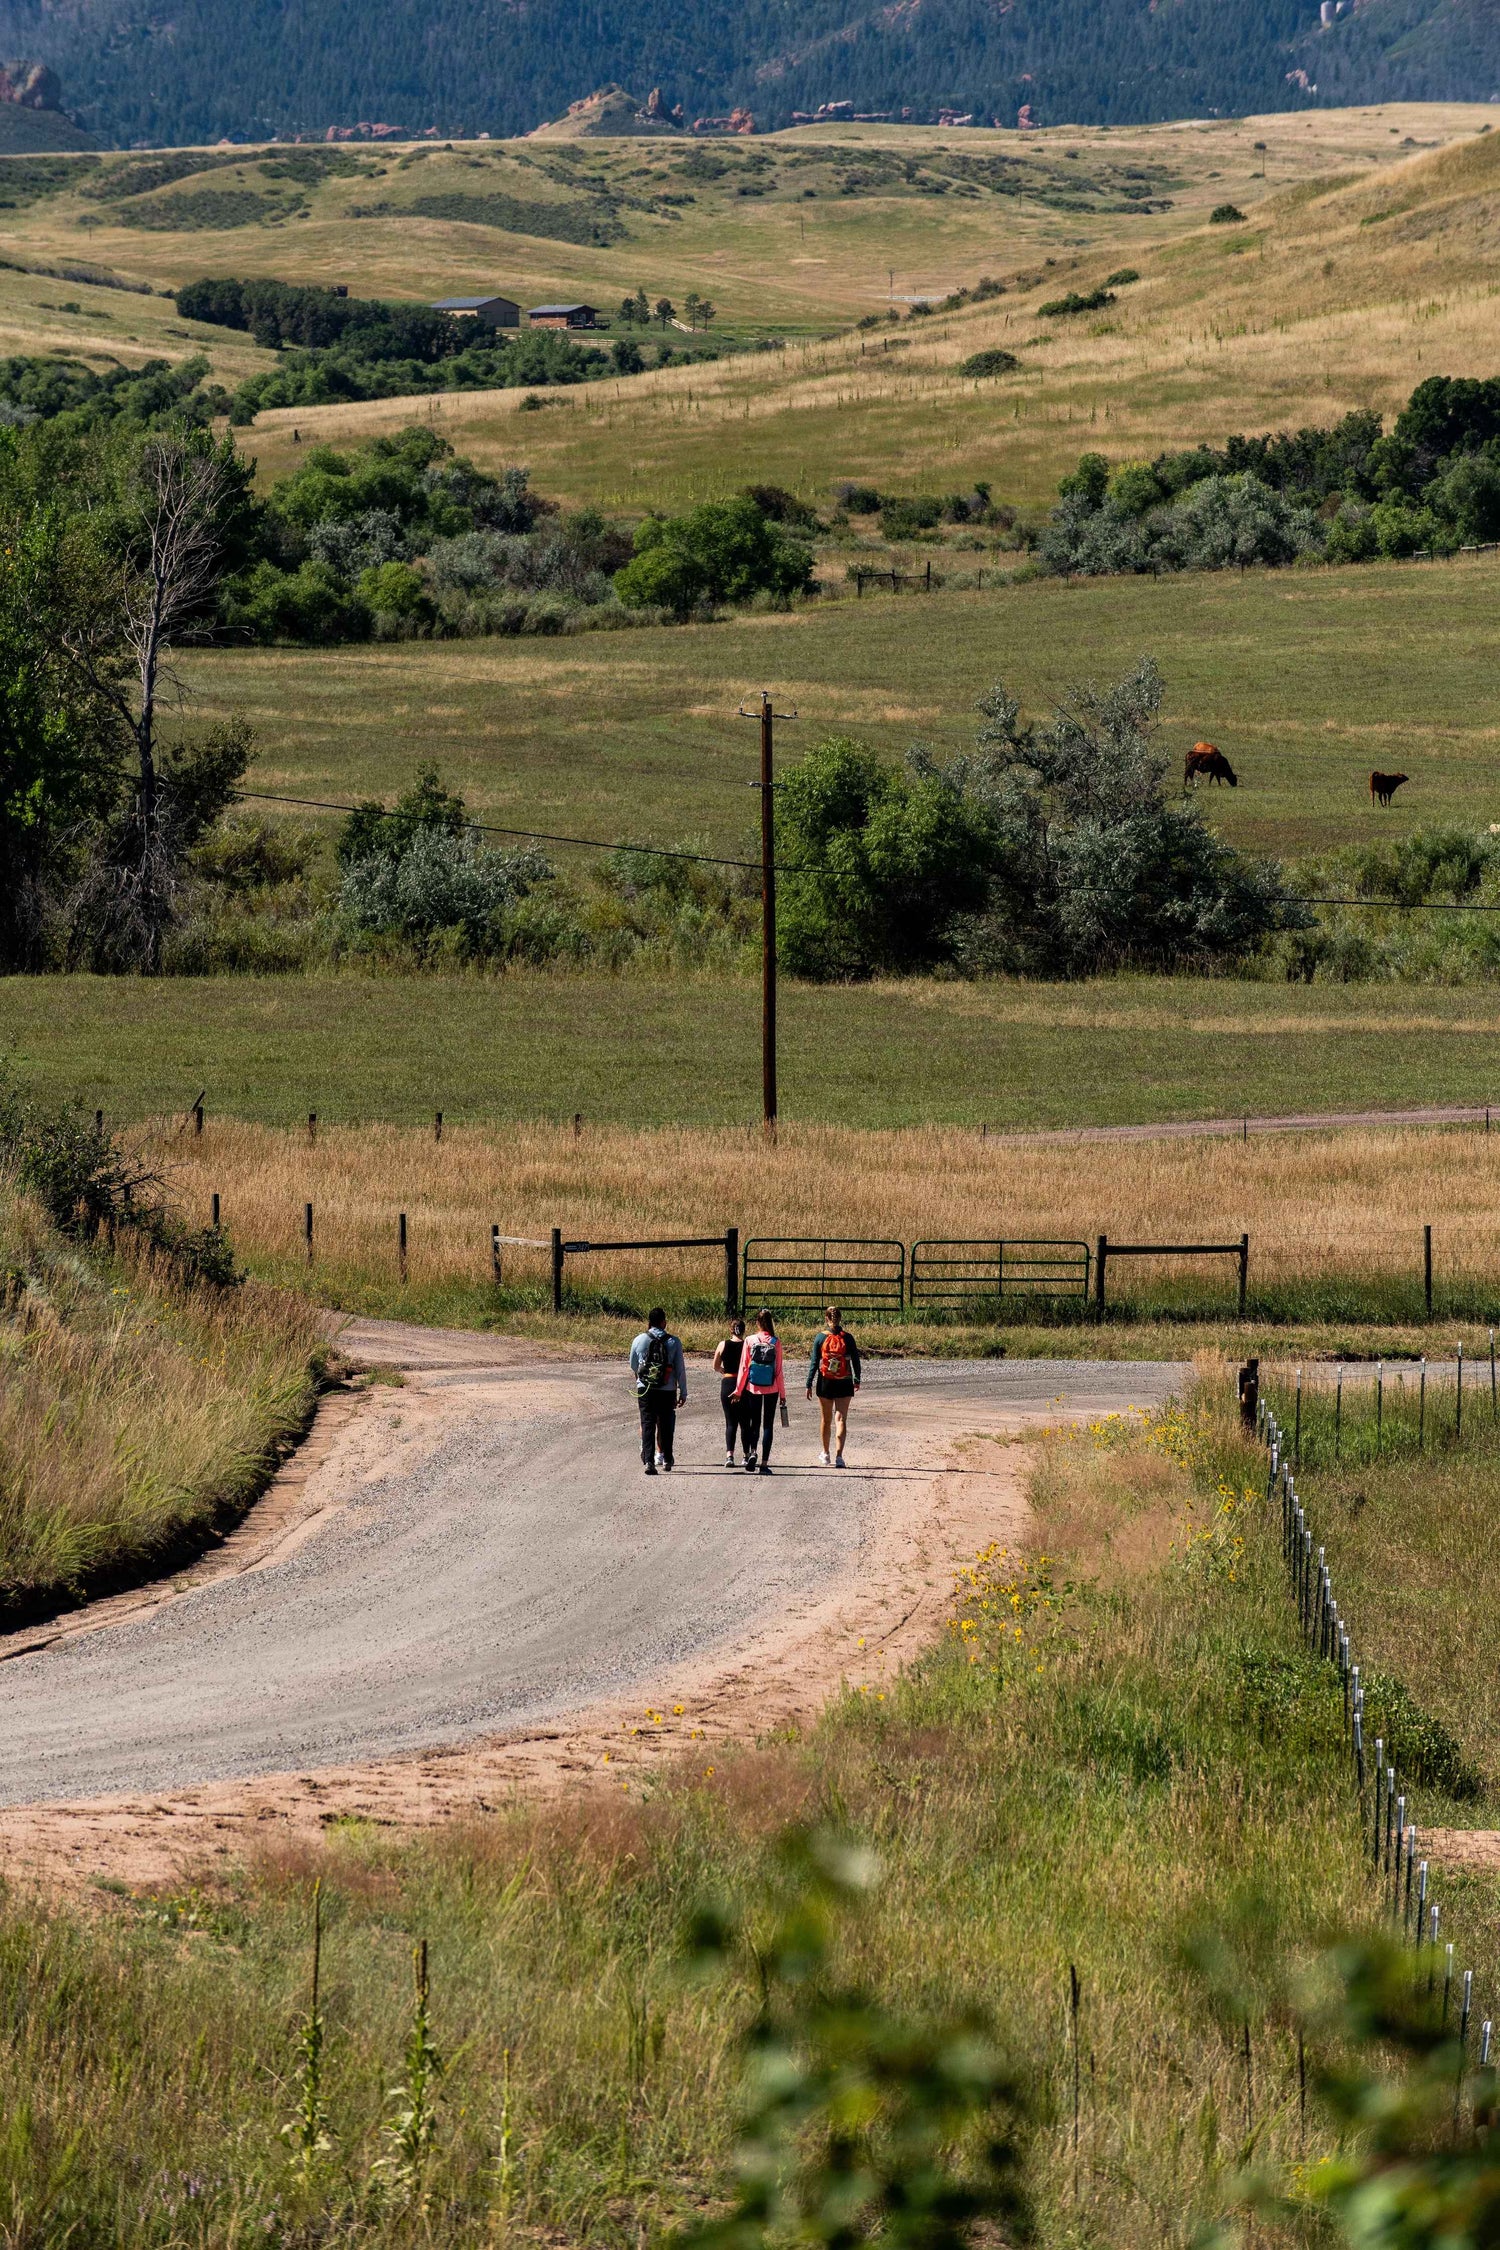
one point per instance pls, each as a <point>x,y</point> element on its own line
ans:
<point>532,835</point>
<point>712,859</point>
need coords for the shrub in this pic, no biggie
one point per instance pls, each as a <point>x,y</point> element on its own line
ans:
<point>725,551</point>
<point>781,506</point>
<point>905,518</point>
<point>858,499</point>
<point>440,881</point>
<point>1225,215</point>
<point>993,362</point>
<point>311,603</point>
<point>1119,280</point>
<point>394,589</point>
<point>1057,308</point>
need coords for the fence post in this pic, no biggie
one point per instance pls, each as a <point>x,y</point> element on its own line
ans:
<point>437,1125</point>
<point>929,574</point>
<point>1244,1270</point>
<point>214,1222</point>
<point>307,1229</point>
<point>731,1270</point>
<point>557,1266</point>
<point>1101,1254</point>
<point>401,1244</point>
<point>495,1253</point>
<point>198,1118</point>
<point>98,1121</point>
<point>1427,1268</point>
<point>312,1125</point>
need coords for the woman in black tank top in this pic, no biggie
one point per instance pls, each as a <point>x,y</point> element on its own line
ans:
<point>727,1365</point>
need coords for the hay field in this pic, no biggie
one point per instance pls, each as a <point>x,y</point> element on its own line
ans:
<point>1307,679</point>
<point>1334,1219</point>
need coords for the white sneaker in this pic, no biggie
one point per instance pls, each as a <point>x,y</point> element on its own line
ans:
<point>729,1460</point>
<point>661,1460</point>
<point>822,1460</point>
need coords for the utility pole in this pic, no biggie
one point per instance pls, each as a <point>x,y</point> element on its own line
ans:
<point>767,787</point>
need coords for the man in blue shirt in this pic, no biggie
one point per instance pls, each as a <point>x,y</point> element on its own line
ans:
<point>660,1373</point>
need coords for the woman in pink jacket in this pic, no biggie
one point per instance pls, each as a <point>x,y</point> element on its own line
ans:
<point>762,1386</point>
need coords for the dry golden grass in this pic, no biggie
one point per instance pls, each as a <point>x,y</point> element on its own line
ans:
<point>1319,303</point>
<point>1322,1209</point>
<point>136,1415</point>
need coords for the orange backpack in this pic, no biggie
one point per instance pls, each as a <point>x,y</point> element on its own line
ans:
<point>833,1360</point>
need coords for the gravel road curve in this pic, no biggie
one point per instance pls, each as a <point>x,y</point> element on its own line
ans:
<point>493,1556</point>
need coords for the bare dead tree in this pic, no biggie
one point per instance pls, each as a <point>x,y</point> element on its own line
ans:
<point>153,581</point>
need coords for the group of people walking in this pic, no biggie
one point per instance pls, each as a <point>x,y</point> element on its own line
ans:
<point>752,1389</point>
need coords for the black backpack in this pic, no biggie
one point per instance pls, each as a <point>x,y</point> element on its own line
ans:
<point>656,1367</point>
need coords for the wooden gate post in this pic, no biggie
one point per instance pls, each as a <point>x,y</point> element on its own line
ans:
<point>1427,1267</point>
<point>731,1270</point>
<point>401,1244</point>
<point>1244,1270</point>
<point>1101,1255</point>
<point>495,1254</point>
<point>557,1266</point>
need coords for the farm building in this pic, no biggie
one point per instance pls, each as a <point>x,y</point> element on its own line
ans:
<point>487,312</point>
<point>563,316</point>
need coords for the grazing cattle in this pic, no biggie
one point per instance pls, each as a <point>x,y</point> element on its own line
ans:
<point>1204,758</point>
<point>1383,786</point>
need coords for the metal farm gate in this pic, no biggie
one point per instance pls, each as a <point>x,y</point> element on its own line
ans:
<point>805,1275</point>
<point>954,1275</point>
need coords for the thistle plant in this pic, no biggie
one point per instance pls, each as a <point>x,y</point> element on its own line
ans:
<point>307,2128</point>
<point>410,2130</point>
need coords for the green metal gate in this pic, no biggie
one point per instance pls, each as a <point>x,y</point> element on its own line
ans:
<point>949,1275</point>
<point>804,1275</point>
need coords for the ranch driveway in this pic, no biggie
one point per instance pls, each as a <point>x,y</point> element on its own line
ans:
<point>477,1580</point>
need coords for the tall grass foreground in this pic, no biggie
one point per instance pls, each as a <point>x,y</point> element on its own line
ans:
<point>137,1413</point>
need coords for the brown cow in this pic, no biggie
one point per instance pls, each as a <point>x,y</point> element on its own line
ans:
<point>1383,786</point>
<point>1206,758</point>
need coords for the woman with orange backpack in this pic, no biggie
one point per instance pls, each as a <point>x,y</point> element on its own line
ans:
<point>761,1384</point>
<point>834,1372</point>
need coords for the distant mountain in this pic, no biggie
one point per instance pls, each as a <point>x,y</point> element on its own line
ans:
<point>170,71</point>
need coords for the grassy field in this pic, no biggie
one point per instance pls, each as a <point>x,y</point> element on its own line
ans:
<point>1306,679</point>
<point>1099,1795</point>
<point>137,1416</point>
<point>539,1046</point>
<point>1334,1219</point>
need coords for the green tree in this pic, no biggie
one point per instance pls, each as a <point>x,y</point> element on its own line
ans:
<point>692,305</point>
<point>878,860</point>
<point>725,551</point>
<point>60,745</point>
<point>665,310</point>
<point>149,525</point>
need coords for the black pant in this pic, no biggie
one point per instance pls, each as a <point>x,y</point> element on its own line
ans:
<point>658,1426</point>
<point>736,1419</point>
<point>760,1422</point>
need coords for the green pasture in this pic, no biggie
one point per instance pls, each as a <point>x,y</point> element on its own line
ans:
<point>370,1049</point>
<point>1306,679</point>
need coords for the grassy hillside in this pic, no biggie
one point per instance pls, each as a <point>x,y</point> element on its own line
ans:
<point>800,235</point>
<point>1307,680</point>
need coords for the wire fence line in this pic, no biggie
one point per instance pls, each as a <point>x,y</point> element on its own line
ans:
<point>1404,1882</point>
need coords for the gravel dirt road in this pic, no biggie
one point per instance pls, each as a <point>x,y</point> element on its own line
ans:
<point>478,1554</point>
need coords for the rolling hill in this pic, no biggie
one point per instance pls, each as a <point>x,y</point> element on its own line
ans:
<point>137,72</point>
